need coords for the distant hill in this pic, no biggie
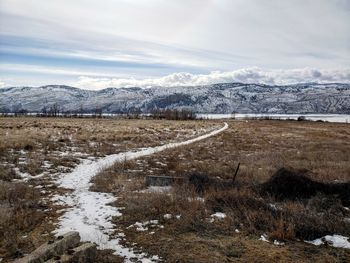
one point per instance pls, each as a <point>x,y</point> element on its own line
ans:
<point>216,98</point>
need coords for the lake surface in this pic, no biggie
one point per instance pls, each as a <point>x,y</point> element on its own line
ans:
<point>343,118</point>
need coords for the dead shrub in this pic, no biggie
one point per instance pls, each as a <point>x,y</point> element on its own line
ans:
<point>244,207</point>
<point>28,147</point>
<point>294,184</point>
<point>309,226</point>
<point>284,221</point>
<point>151,206</point>
<point>282,230</point>
<point>34,165</point>
<point>116,179</point>
<point>322,203</point>
<point>306,222</point>
<point>7,173</point>
<point>202,182</point>
<point>194,215</point>
<point>20,212</point>
<point>70,162</point>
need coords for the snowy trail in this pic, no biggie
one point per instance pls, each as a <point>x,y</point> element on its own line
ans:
<point>89,212</point>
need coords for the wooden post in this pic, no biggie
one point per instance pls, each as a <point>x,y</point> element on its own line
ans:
<point>235,175</point>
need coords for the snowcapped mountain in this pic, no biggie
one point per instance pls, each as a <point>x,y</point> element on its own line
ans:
<point>216,98</point>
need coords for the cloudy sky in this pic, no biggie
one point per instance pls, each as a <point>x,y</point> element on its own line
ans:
<point>96,44</point>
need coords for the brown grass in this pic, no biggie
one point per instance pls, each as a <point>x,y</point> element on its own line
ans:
<point>261,147</point>
<point>56,145</point>
<point>20,212</point>
<point>194,238</point>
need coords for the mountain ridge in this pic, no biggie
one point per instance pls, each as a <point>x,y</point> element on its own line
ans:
<point>214,98</point>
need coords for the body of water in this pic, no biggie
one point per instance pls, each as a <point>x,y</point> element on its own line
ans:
<point>343,118</point>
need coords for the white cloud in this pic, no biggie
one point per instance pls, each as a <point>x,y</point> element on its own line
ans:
<point>57,41</point>
<point>2,84</point>
<point>51,70</point>
<point>247,75</point>
<point>269,34</point>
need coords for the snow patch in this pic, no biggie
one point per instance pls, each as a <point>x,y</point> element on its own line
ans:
<point>219,215</point>
<point>273,206</point>
<point>278,243</point>
<point>25,177</point>
<point>199,199</point>
<point>264,238</point>
<point>334,241</point>
<point>167,216</point>
<point>157,189</point>
<point>144,226</point>
<point>89,212</point>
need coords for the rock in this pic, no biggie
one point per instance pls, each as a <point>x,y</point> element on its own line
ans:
<point>47,251</point>
<point>86,253</point>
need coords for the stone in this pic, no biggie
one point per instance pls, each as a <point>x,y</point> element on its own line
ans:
<point>48,251</point>
<point>86,253</point>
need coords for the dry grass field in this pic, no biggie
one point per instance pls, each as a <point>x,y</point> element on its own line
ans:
<point>192,234</point>
<point>34,150</point>
<point>185,230</point>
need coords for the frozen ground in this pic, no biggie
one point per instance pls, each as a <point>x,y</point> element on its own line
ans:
<point>89,212</point>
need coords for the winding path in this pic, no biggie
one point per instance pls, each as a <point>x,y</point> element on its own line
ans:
<point>89,212</point>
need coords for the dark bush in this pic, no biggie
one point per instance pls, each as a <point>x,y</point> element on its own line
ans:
<point>202,182</point>
<point>294,184</point>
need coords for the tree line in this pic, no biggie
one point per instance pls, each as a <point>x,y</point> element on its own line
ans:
<point>173,114</point>
<point>55,110</point>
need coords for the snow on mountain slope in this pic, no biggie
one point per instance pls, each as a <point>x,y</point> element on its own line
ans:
<point>216,98</point>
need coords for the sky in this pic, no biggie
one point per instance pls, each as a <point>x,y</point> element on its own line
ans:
<point>122,43</point>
